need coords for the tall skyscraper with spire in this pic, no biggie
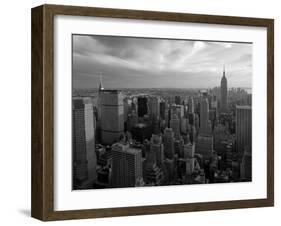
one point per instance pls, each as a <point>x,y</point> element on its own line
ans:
<point>223,105</point>
<point>100,85</point>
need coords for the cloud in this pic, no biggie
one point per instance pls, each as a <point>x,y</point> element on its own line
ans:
<point>127,62</point>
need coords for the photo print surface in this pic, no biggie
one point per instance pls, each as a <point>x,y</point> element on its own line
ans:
<point>159,112</point>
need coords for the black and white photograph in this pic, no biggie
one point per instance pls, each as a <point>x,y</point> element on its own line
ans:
<point>158,112</point>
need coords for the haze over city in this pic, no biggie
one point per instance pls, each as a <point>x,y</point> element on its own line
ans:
<point>126,62</point>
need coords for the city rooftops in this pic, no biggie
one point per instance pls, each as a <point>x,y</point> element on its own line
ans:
<point>126,148</point>
<point>110,91</point>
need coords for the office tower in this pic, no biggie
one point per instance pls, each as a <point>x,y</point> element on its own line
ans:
<point>157,147</point>
<point>154,161</point>
<point>178,110</point>
<point>192,135</point>
<point>220,138</point>
<point>142,106</point>
<point>126,109</point>
<point>246,165</point>
<point>204,145</point>
<point>132,120</point>
<point>83,144</point>
<point>190,163</point>
<point>186,138</point>
<point>179,146</point>
<point>126,166</point>
<point>188,150</point>
<point>191,118</point>
<point>212,118</point>
<point>175,125</point>
<point>170,166</point>
<point>190,105</point>
<point>205,127</point>
<point>214,106</point>
<point>178,100</point>
<point>162,110</point>
<point>229,155</point>
<point>154,108</point>
<point>249,99</point>
<point>183,125</point>
<point>196,122</point>
<point>112,116</point>
<point>168,140</point>
<point>167,119</point>
<point>223,106</point>
<point>243,127</point>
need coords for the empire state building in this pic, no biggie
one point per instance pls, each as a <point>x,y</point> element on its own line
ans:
<point>223,106</point>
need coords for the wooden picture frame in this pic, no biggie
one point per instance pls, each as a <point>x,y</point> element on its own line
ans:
<point>42,203</point>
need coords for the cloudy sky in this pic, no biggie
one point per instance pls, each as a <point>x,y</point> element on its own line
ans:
<point>126,62</point>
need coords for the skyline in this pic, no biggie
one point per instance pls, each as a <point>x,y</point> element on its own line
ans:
<point>126,62</point>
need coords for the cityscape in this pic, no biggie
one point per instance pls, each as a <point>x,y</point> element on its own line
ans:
<point>159,135</point>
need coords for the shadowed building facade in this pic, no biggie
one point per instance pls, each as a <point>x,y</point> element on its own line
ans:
<point>175,126</point>
<point>112,116</point>
<point>142,106</point>
<point>204,144</point>
<point>83,146</point>
<point>168,140</point>
<point>126,166</point>
<point>243,127</point>
<point>205,124</point>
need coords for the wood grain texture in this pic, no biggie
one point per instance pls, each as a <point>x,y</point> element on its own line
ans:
<point>43,107</point>
<point>37,158</point>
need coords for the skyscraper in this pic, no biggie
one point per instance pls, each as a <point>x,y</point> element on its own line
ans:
<point>168,140</point>
<point>154,160</point>
<point>154,107</point>
<point>112,116</point>
<point>190,105</point>
<point>142,106</point>
<point>100,85</point>
<point>83,146</point>
<point>162,109</point>
<point>223,106</point>
<point>243,127</point>
<point>156,146</point>
<point>177,100</point>
<point>205,126</point>
<point>126,166</point>
<point>204,145</point>
<point>246,165</point>
<point>175,125</point>
<point>188,150</point>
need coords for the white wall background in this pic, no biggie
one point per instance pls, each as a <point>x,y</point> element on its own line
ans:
<point>15,111</point>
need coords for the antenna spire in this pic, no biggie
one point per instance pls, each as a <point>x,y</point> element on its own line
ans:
<point>100,85</point>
